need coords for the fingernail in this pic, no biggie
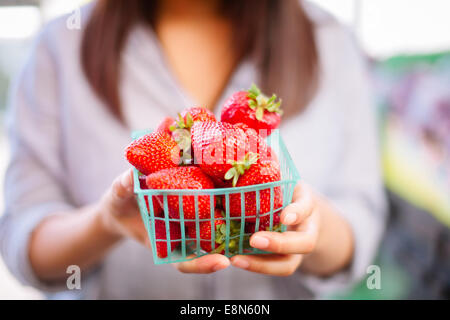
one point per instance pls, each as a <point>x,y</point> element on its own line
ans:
<point>218,267</point>
<point>240,263</point>
<point>259,242</point>
<point>290,218</point>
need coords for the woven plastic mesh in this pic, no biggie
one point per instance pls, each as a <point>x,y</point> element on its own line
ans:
<point>189,248</point>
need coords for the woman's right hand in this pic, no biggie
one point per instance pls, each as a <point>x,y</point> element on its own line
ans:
<point>119,215</point>
<point>119,212</point>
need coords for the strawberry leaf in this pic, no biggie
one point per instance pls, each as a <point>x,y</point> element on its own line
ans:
<point>254,91</point>
<point>259,102</point>
<point>235,180</point>
<point>231,174</point>
<point>189,121</point>
<point>259,113</point>
<point>223,229</point>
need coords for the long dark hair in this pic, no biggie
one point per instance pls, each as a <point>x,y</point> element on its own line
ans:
<point>276,34</point>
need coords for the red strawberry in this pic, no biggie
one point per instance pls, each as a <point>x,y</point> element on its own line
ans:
<point>257,143</point>
<point>254,173</point>
<point>183,178</point>
<point>157,209</point>
<point>181,129</point>
<point>205,233</point>
<point>160,234</point>
<point>198,114</point>
<point>153,152</point>
<point>264,223</point>
<point>217,144</point>
<point>164,125</point>
<point>253,109</point>
<point>219,183</point>
<point>189,116</point>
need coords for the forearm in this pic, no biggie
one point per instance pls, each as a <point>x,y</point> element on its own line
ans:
<point>71,238</point>
<point>334,250</point>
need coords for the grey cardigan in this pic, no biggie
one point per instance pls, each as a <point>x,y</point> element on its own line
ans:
<point>66,148</point>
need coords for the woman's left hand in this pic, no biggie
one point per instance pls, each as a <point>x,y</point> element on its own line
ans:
<point>289,248</point>
<point>318,238</point>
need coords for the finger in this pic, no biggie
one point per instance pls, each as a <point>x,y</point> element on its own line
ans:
<point>297,191</point>
<point>139,237</point>
<point>206,264</point>
<point>138,231</point>
<point>122,187</point>
<point>146,242</point>
<point>276,265</point>
<point>289,242</point>
<point>301,207</point>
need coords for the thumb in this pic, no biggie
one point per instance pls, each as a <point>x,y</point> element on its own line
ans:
<point>122,187</point>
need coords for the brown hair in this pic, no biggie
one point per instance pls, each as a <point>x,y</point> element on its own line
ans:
<point>277,35</point>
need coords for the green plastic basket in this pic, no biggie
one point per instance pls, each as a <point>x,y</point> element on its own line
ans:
<point>190,248</point>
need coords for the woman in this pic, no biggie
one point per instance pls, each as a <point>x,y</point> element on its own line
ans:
<point>134,62</point>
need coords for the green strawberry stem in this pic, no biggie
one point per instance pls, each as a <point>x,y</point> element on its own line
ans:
<point>231,245</point>
<point>219,249</point>
<point>276,228</point>
<point>260,103</point>
<point>240,167</point>
<point>220,236</point>
<point>181,123</point>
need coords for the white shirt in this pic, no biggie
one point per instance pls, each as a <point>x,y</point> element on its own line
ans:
<point>66,148</point>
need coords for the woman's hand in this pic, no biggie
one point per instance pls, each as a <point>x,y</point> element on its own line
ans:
<point>119,212</point>
<point>120,216</point>
<point>289,248</point>
<point>318,239</point>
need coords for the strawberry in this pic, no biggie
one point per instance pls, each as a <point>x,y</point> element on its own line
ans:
<point>198,114</point>
<point>183,178</point>
<point>153,152</point>
<point>217,144</point>
<point>189,116</point>
<point>250,172</point>
<point>180,129</point>
<point>157,209</point>
<point>264,224</point>
<point>253,109</point>
<point>219,183</point>
<point>257,143</point>
<point>164,125</point>
<point>205,233</point>
<point>160,234</point>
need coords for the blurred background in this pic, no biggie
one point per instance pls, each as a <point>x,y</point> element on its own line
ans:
<point>408,44</point>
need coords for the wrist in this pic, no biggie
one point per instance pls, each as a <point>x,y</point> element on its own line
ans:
<point>334,249</point>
